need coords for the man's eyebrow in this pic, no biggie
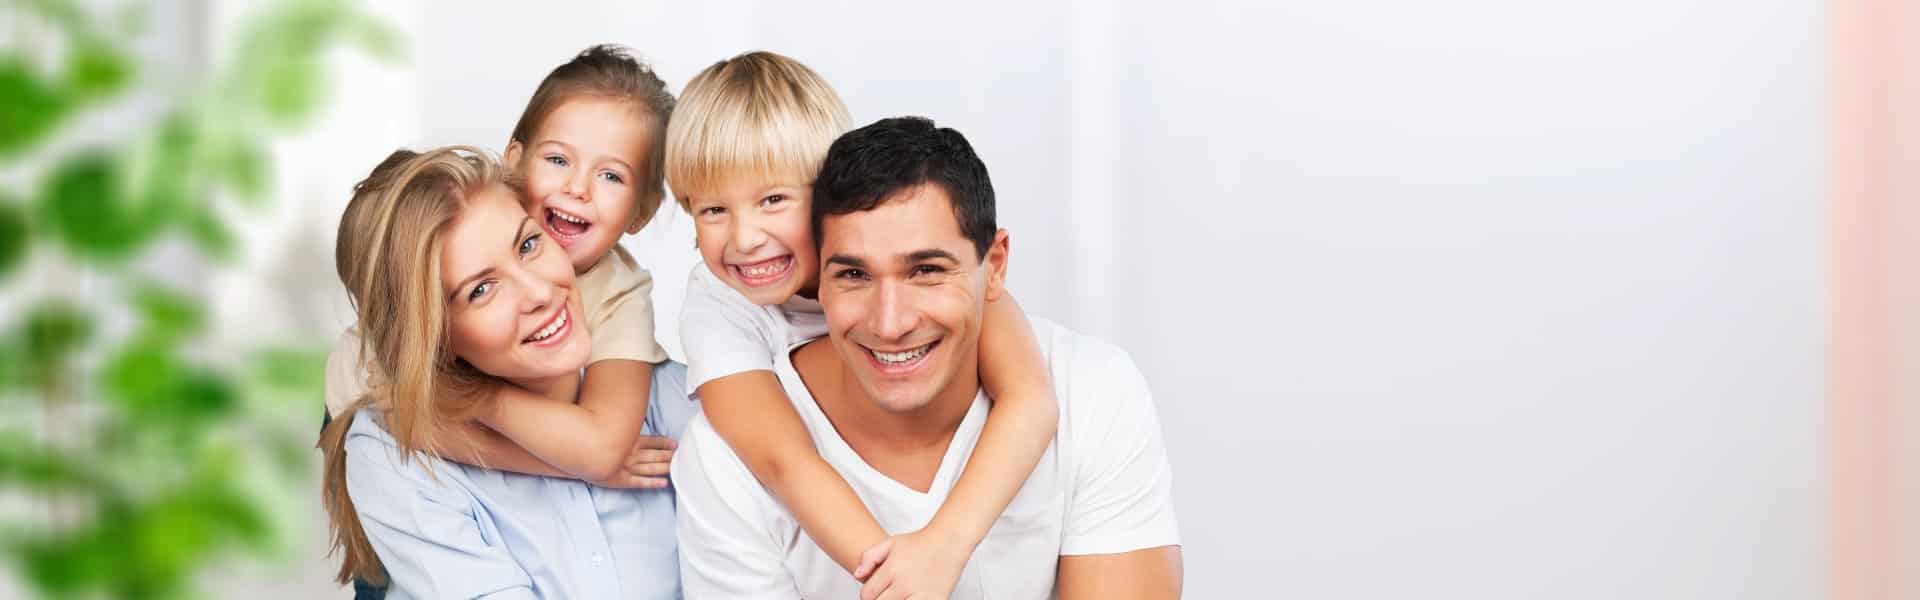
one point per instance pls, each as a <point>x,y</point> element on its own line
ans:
<point>850,261</point>
<point>931,254</point>
<point>518,233</point>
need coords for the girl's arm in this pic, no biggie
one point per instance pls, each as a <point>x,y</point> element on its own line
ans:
<point>751,412</point>
<point>1023,422</point>
<point>591,440</point>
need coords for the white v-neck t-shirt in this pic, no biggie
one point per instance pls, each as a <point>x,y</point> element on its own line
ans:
<point>1104,486</point>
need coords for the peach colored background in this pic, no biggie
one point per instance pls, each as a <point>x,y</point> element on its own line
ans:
<point>1875,352</point>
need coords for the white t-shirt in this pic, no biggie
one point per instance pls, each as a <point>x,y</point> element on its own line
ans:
<point>725,334</point>
<point>1104,486</point>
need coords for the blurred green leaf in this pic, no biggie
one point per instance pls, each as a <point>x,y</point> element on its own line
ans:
<point>168,316</point>
<point>83,204</point>
<point>55,330</point>
<point>211,235</point>
<point>286,369</point>
<point>155,387</point>
<point>95,70</point>
<point>375,37</point>
<point>290,91</point>
<point>29,107</point>
<point>14,235</point>
<point>243,166</point>
<point>28,463</point>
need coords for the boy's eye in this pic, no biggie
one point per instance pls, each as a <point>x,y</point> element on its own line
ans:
<point>713,210</point>
<point>557,160</point>
<point>774,199</point>
<point>479,289</point>
<point>527,246</point>
<point>611,177</point>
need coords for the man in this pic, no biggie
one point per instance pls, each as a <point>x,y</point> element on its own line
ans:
<point>903,214</point>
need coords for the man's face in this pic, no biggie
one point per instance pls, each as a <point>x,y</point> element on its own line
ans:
<point>904,294</point>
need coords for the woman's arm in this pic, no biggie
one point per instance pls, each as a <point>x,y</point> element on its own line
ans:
<point>592,439</point>
<point>751,413</point>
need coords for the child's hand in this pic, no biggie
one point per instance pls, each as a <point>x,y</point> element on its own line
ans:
<point>646,466</point>
<point>918,565</point>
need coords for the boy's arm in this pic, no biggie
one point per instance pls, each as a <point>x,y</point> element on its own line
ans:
<point>751,413</point>
<point>1023,422</point>
<point>590,440</point>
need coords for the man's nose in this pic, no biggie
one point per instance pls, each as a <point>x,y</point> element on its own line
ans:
<point>892,316</point>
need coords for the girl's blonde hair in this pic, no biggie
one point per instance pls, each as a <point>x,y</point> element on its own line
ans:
<point>609,71</point>
<point>759,116</point>
<point>388,255</point>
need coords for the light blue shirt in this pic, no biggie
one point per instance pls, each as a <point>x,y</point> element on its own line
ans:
<point>447,530</point>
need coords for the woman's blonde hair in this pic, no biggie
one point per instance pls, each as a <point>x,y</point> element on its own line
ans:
<point>760,116</point>
<point>388,255</point>
<point>609,71</point>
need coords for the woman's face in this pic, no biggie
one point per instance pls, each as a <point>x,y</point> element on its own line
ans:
<point>512,310</point>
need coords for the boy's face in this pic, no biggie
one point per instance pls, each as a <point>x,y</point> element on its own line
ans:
<point>758,238</point>
<point>905,294</point>
<point>582,166</point>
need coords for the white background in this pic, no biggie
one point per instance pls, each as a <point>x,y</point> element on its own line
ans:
<point>1477,299</point>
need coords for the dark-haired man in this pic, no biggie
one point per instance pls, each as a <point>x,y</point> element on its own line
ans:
<point>904,217</point>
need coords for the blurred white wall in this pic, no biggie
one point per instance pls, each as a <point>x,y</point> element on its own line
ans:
<point>1489,299</point>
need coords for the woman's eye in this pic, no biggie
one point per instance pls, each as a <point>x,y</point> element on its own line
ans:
<point>612,177</point>
<point>480,289</point>
<point>527,246</point>
<point>557,160</point>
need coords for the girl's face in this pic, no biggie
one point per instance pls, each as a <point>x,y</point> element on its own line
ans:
<point>758,238</point>
<point>582,166</point>
<point>512,310</point>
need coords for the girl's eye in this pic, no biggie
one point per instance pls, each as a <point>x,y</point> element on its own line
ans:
<point>774,199</point>
<point>557,160</point>
<point>527,246</point>
<point>479,289</point>
<point>612,177</point>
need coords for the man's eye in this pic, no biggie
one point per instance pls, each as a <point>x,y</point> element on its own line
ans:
<point>479,290</point>
<point>612,177</point>
<point>851,275</point>
<point>527,246</point>
<point>557,160</point>
<point>927,270</point>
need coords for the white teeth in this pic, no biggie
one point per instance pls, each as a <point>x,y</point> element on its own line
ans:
<point>895,358</point>
<point>767,268</point>
<point>567,217</point>
<point>550,329</point>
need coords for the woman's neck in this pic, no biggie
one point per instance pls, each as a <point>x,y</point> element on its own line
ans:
<point>564,387</point>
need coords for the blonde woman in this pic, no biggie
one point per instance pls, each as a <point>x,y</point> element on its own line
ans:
<point>457,292</point>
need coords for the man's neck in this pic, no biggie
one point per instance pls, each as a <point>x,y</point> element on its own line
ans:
<point>906,446</point>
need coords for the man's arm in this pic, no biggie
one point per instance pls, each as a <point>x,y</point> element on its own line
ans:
<point>1149,574</point>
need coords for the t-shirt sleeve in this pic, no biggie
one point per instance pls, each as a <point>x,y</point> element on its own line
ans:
<point>346,378</point>
<point>618,298</point>
<point>727,546</point>
<point>720,332</point>
<point>1122,482</point>
<point>424,530</point>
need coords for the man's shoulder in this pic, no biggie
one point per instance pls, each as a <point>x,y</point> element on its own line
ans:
<point>1077,360</point>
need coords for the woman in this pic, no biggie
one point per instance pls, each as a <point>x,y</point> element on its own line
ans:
<point>457,292</point>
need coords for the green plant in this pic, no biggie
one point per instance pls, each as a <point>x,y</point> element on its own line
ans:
<point>145,458</point>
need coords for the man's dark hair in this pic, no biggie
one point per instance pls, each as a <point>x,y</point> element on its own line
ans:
<point>869,165</point>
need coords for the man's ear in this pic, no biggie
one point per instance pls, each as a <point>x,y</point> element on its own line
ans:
<point>996,264</point>
<point>512,157</point>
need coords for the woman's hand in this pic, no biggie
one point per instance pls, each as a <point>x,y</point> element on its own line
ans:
<point>922,565</point>
<point>646,466</point>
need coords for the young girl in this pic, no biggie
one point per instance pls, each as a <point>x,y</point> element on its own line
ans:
<point>742,153</point>
<point>587,147</point>
<point>459,294</point>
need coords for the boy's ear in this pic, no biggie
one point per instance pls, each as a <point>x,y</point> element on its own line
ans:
<point>996,263</point>
<point>512,157</point>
